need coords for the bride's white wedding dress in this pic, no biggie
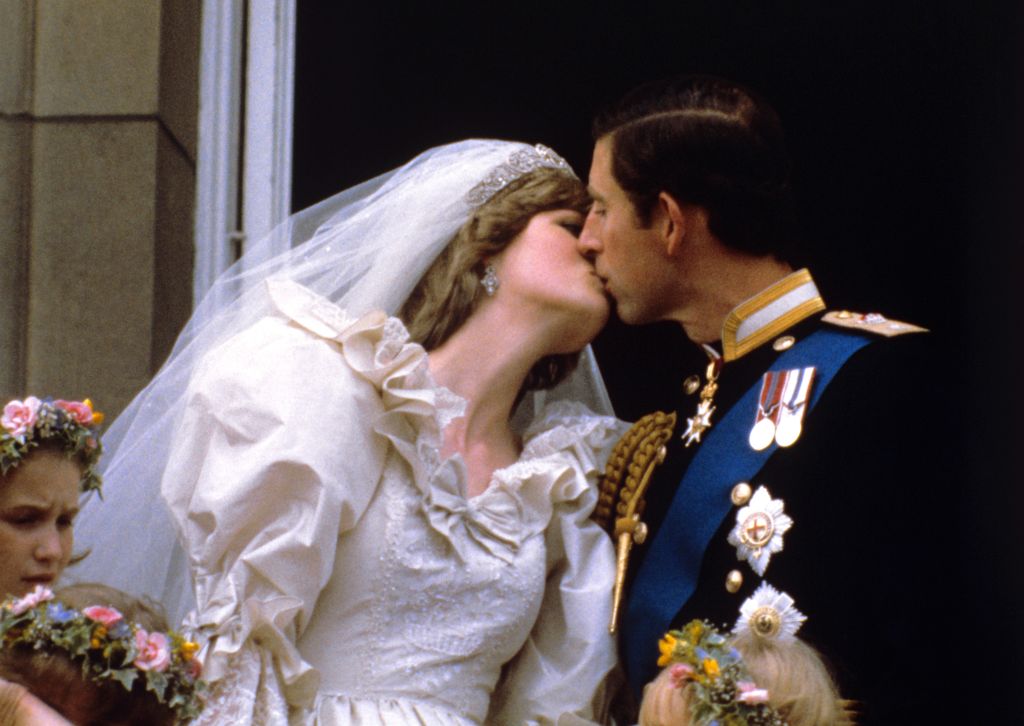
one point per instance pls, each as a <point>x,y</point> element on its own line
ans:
<point>344,574</point>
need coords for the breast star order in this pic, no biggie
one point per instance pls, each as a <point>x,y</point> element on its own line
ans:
<point>698,423</point>
<point>769,613</point>
<point>759,529</point>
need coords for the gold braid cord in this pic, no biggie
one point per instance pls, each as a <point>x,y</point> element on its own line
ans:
<point>621,499</point>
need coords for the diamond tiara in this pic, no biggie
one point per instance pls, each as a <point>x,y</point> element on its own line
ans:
<point>519,163</point>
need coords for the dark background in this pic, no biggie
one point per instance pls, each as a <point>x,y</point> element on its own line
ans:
<point>903,120</point>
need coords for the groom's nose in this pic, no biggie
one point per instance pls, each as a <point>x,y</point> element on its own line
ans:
<point>589,245</point>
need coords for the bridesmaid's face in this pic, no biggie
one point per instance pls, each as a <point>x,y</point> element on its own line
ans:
<point>543,268</point>
<point>38,505</point>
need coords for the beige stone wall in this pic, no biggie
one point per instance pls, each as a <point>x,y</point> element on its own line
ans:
<point>178,110</point>
<point>97,177</point>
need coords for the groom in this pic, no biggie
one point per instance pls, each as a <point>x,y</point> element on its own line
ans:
<point>800,455</point>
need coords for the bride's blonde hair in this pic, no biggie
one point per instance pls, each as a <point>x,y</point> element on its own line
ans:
<point>799,686</point>
<point>450,289</point>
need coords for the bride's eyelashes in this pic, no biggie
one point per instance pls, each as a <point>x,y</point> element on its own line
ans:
<point>571,221</point>
<point>575,228</point>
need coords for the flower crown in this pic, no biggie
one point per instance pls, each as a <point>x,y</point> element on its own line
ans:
<point>74,424</point>
<point>722,692</point>
<point>109,647</point>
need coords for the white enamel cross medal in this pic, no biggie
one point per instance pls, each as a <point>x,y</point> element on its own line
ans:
<point>700,422</point>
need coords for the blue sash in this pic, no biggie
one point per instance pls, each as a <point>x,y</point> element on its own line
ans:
<point>668,576</point>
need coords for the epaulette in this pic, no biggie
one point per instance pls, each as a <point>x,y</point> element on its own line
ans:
<point>621,500</point>
<point>871,323</point>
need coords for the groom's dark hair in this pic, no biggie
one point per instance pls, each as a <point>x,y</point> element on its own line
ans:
<point>709,142</point>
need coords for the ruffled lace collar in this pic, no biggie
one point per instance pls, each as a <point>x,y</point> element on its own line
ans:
<point>564,446</point>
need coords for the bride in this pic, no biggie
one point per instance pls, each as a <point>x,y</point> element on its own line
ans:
<point>375,457</point>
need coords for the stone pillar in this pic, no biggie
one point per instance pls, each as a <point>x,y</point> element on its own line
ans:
<point>96,191</point>
<point>178,111</point>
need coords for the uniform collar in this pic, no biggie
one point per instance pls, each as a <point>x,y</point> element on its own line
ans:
<point>768,313</point>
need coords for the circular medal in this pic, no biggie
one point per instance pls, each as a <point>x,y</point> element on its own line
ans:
<point>757,529</point>
<point>766,621</point>
<point>762,435</point>
<point>788,431</point>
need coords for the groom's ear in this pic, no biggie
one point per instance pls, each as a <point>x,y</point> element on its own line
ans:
<point>672,222</point>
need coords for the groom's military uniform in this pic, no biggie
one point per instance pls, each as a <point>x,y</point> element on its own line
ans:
<point>813,478</point>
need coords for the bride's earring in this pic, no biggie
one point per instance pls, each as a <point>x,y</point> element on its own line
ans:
<point>490,280</point>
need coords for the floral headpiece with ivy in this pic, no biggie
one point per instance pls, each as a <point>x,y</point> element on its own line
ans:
<point>24,425</point>
<point>108,647</point>
<point>722,692</point>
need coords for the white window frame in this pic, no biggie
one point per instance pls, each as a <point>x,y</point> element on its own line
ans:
<point>244,165</point>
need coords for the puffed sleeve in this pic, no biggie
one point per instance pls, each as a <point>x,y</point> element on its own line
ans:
<point>563,672</point>
<point>275,458</point>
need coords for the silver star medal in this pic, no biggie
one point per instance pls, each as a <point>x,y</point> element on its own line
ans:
<point>769,613</point>
<point>759,529</point>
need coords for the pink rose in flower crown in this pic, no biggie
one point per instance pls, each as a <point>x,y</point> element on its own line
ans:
<point>154,651</point>
<point>38,596</point>
<point>20,416</point>
<point>103,616</point>
<point>750,693</point>
<point>680,673</point>
<point>78,410</point>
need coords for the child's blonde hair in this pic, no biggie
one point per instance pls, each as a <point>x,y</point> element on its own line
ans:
<point>799,685</point>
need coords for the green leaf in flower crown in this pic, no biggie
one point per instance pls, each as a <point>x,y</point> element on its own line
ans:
<point>78,639</point>
<point>157,683</point>
<point>125,676</point>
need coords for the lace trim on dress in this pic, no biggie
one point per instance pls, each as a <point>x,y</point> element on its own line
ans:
<point>245,695</point>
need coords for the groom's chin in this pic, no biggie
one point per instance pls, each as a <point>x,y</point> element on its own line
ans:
<point>631,314</point>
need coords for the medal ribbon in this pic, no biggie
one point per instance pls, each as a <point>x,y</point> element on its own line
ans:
<point>797,388</point>
<point>771,395</point>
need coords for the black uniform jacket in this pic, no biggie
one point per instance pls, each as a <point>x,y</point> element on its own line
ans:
<point>870,555</point>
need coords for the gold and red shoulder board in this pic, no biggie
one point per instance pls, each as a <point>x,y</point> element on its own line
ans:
<point>871,323</point>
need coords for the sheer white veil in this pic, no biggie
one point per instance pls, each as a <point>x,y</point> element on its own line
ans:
<point>364,248</point>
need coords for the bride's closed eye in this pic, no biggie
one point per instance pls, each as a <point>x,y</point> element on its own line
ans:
<point>575,228</point>
<point>571,221</point>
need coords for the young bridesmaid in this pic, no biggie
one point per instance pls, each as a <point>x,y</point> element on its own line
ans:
<point>48,455</point>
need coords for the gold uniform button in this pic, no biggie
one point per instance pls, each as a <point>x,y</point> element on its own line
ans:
<point>640,533</point>
<point>844,315</point>
<point>691,384</point>
<point>734,581</point>
<point>784,343</point>
<point>741,494</point>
